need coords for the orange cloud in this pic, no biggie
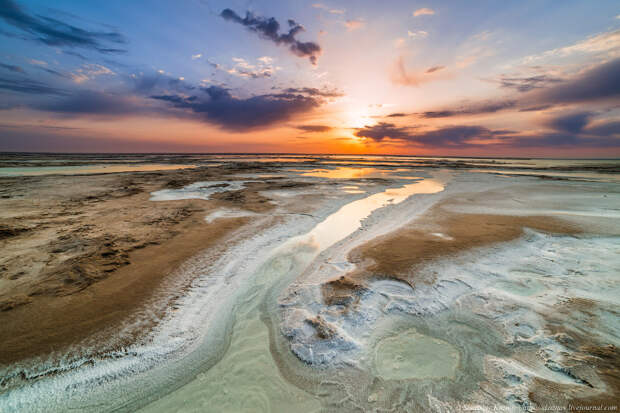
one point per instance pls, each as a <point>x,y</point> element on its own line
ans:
<point>353,24</point>
<point>423,11</point>
<point>401,76</point>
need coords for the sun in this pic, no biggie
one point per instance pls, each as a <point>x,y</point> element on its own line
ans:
<point>358,118</point>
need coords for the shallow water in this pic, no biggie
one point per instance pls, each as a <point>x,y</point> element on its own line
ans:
<point>411,355</point>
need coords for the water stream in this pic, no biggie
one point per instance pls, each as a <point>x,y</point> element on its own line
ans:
<point>247,377</point>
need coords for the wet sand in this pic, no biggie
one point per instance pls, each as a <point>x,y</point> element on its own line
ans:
<point>83,254</point>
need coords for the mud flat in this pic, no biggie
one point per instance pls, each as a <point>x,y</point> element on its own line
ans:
<point>411,290</point>
<point>82,255</point>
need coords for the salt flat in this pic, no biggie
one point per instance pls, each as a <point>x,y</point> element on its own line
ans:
<point>341,284</point>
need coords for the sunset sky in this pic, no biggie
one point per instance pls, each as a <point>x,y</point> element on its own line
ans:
<point>472,78</point>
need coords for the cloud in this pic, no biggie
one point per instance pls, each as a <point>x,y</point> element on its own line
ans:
<point>314,128</point>
<point>242,68</point>
<point>55,72</point>
<point>527,83</point>
<point>476,136</point>
<point>27,86</point>
<point>605,44</point>
<point>604,128</point>
<point>573,123</point>
<point>353,24</point>
<point>220,107</point>
<point>268,28</point>
<point>423,12</point>
<point>196,56</point>
<point>448,136</point>
<point>417,34</point>
<point>146,84</point>
<point>598,84</point>
<point>434,69</point>
<point>470,108</point>
<point>401,76</point>
<point>312,91</point>
<point>396,115</point>
<point>557,140</point>
<point>94,103</point>
<point>12,68</point>
<point>53,32</point>
<point>89,71</point>
<point>36,62</point>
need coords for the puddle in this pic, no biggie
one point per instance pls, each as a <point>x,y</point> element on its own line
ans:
<point>411,355</point>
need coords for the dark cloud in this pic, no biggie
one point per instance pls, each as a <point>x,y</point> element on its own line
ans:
<point>12,68</point>
<point>27,86</point>
<point>475,136</point>
<point>434,69</point>
<point>383,130</point>
<point>269,28</point>
<point>572,123</point>
<point>93,103</point>
<point>562,140</point>
<point>54,72</point>
<point>145,84</point>
<point>220,107</point>
<point>599,83</point>
<point>606,128</point>
<point>446,137</point>
<point>474,108</point>
<point>525,84</point>
<point>312,91</point>
<point>56,33</point>
<point>314,128</point>
<point>396,115</point>
<point>536,108</point>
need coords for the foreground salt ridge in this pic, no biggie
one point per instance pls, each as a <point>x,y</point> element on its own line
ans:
<point>177,335</point>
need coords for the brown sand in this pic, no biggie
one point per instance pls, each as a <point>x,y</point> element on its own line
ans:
<point>82,255</point>
<point>397,255</point>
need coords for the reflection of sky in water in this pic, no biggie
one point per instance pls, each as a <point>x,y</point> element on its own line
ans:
<point>356,172</point>
<point>349,218</point>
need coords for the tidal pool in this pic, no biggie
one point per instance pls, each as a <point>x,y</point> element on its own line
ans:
<point>411,355</point>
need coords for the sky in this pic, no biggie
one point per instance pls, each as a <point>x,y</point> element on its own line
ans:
<point>477,78</point>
